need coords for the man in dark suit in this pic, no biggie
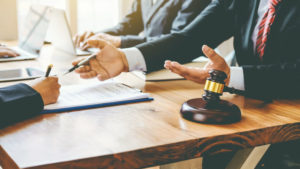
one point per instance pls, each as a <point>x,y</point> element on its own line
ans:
<point>266,42</point>
<point>155,18</point>
<point>258,74</point>
<point>22,101</point>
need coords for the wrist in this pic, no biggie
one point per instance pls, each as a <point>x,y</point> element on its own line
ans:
<point>237,78</point>
<point>118,42</point>
<point>124,60</point>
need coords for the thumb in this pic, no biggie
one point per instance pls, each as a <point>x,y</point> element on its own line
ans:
<point>97,43</point>
<point>211,54</point>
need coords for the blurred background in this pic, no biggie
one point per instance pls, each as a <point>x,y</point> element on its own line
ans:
<point>83,15</point>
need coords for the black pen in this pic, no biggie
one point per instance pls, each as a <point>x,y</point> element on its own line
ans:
<point>83,62</point>
<point>48,70</point>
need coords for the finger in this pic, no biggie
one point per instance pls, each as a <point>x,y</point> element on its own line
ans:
<point>102,77</point>
<point>76,38</point>
<point>81,39</point>
<point>177,68</point>
<point>88,75</point>
<point>101,72</point>
<point>85,46</point>
<point>8,53</point>
<point>187,72</point>
<point>97,43</point>
<point>88,35</point>
<point>53,78</point>
<point>83,69</point>
<point>167,64</point>
<point>211,54</point>
<point>11,50</point>
<point>77,61</point>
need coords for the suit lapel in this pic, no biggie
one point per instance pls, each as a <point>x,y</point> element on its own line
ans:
<point>154,9</point>
<point>146,7</point>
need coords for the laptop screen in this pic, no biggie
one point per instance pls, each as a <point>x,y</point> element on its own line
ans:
<point>31,38</point>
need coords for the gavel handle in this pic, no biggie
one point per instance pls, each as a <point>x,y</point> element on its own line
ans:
<point>243,93</point>
<point>234,91</point>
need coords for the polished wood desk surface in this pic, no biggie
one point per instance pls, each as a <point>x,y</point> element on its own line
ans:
<point>142,134</point>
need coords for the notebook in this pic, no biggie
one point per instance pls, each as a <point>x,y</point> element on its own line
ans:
<point>78,97</point>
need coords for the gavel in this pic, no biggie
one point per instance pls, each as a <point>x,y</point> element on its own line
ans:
<point>210,108</point>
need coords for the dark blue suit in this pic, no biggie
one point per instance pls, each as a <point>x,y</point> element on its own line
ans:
<point>18,102</point>
<point>162,18</point>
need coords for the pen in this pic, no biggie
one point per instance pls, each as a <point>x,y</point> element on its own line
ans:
<point>83,62</point>
<point>48,70</point>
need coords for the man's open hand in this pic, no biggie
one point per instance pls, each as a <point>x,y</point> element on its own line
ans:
<point>200,75</point>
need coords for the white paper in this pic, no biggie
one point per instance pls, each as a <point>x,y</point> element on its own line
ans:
<point>91,94</point>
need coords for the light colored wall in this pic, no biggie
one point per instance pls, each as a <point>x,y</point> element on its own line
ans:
<point>124,6</point>
<point>8,20</point>
<point>71,12</point>
<point>9,23</point>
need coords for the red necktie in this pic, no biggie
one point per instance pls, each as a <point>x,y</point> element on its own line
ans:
<point>265,27</point>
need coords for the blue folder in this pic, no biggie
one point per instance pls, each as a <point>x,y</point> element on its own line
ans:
<point>95,106</point>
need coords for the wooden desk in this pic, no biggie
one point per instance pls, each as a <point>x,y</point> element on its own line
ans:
<point>142,134</point>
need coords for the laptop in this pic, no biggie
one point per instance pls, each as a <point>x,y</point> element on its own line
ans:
<point>32,36</point>
<point>60,34</point>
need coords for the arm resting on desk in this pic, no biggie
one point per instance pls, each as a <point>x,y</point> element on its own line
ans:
<point>18,102</point>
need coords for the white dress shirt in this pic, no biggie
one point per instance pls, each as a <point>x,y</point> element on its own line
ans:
<point>136,59</point>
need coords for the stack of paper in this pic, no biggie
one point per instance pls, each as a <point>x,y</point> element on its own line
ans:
<point>78,97</point>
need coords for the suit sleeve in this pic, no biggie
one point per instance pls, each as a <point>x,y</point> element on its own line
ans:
<point>188,11</point>
<point>273,81</point>
<point>17,103</point>
<point>132,25</point>
<point>211,27</point>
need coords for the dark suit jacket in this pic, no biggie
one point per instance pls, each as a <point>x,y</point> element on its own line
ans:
<point>164,17</point>
<point>278,75</point>
<point>17,103</point>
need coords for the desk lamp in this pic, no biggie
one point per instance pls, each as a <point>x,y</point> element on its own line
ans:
<point>210,108</point>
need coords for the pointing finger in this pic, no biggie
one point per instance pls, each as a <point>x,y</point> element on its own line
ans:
<point>211,54</point>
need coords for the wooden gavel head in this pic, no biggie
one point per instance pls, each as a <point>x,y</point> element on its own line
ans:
<point>214,86</point>
<point>210,108</point>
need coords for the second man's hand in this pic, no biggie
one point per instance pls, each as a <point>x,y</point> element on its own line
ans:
<point>199,75</point>
<point>114,40</point>
<point>109,62</point>
<point>81,40</point>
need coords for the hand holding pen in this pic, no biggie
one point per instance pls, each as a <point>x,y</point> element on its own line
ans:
<point>109,62</point>
<point>81,63</point>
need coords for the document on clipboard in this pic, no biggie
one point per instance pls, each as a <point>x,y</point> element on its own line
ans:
<point>78,97</point>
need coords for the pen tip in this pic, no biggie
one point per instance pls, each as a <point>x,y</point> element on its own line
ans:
<point>51,65</point>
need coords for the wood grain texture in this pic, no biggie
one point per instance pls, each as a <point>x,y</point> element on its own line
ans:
<point>143,134</point>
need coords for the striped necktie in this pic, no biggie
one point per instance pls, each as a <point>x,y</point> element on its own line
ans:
<point>265,27</point>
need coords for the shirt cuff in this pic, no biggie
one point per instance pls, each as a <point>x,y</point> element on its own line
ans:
<point>135,59</point>
<point>237,78</point>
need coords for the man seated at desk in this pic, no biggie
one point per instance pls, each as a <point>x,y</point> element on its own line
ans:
<point>22,101</point>
<point>155,18</point>
<point>266,41</point>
